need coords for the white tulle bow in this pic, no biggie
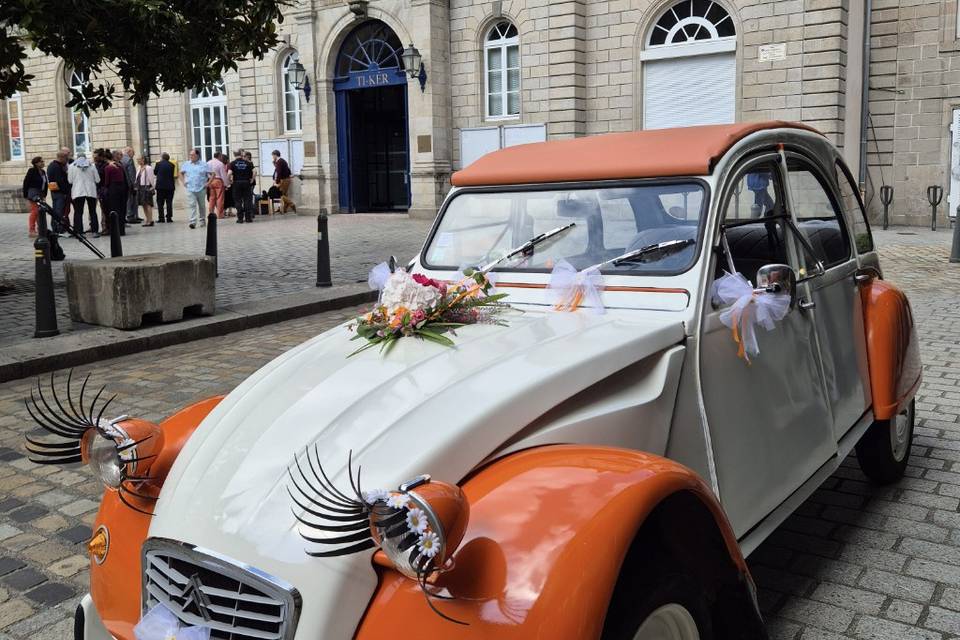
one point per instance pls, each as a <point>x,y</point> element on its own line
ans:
<point>748,308</point>
<point>378,277</point>
<point>572,289</point>
<point>161,624</point>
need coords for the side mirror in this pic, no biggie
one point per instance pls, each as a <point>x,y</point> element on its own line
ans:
<point>778,278</point>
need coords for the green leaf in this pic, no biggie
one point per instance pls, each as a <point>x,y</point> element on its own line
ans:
<point>436,337</point>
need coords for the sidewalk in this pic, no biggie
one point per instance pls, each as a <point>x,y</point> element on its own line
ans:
<point>267,274</point>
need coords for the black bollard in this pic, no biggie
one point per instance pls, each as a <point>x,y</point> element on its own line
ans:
<point>886,197</point>
<point>934,197</point>
<point>116,246</point>
<point>955,250</point>
<point>323,252</point>
<point>212,241</point>
<point>46,310</point>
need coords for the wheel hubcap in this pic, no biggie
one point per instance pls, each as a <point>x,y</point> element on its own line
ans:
<point>669,622</point>
<point>900,429</point>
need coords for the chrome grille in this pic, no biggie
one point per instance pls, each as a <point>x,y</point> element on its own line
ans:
<point>235,601</point>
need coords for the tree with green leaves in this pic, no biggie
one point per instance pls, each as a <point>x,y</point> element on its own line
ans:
<point>150,45</point>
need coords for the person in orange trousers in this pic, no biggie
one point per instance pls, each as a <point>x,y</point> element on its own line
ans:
<point>216,185</point>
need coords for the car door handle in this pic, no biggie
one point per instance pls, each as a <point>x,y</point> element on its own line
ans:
<point>806,305</point>
<point>863,278</point>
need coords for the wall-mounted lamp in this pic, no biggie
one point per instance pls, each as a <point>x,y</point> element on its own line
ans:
<point>299,79</point>
<point>413,63</point>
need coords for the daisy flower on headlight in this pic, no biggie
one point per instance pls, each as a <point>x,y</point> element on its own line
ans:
<point>416,520</point>
<point>429,544</point>
<point>398,500</point>
<point>376,495</point>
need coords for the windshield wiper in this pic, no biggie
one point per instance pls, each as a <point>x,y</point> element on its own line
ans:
<point>650,253</point>
<point>526,248</point>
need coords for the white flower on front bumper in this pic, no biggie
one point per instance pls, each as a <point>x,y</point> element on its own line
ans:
<point>416,520</point>
<point>429,544</point>
<point>376,495</point>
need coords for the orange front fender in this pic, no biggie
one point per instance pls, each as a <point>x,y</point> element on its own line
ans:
<point>893,350</point>
<point>115,584</point>
<point>548,532</point>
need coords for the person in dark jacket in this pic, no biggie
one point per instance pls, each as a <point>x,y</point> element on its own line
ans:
<point>241,179</point>
<point>60,188</point>
<point>166,184</point>
<point>281,178</point>
<point>100,162</point>
<point>34,186</point>
<point>117,190</point>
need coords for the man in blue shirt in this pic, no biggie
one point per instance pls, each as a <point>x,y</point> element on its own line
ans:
<point>194,175</point>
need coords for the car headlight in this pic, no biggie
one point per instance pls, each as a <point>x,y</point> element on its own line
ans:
<point>120,450</point>
<point>418,526</point>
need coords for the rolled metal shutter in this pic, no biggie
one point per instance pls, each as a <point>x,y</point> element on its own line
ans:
<point>681,92</point>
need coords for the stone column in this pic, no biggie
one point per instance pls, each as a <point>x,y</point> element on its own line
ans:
<point>429,110</point>
<point>566,61</point>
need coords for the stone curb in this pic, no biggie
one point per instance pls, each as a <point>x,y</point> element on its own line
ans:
<point>33,357</point>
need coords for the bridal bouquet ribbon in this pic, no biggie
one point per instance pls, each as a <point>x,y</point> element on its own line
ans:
<point>572,288</point>
<point>748,308</point>
<point>161,624</point>
<point>413,305</point>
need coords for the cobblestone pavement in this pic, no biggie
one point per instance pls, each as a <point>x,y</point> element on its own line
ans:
<point>856,561</point>
<point>273,256</point>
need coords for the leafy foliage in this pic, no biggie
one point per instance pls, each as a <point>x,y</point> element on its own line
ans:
<point>151,45</point>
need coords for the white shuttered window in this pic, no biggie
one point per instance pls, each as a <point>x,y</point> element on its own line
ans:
<point>502,71</point>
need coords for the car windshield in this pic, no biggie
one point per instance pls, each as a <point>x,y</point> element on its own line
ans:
<point>479,227</point>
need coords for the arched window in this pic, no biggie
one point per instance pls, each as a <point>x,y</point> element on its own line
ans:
<point>291,96</point>
<point>79,121</point>
<point>690,66</point>
<point>208,118</point>
<point>501,55</point>
<point>15,126</point>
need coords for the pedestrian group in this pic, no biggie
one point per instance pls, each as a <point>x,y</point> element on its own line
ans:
<point>120,183</point>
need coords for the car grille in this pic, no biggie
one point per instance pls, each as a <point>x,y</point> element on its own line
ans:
<point>235,601</point>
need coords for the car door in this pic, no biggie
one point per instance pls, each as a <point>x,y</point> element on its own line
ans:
<point>769,421</point>
<point>831,300</point>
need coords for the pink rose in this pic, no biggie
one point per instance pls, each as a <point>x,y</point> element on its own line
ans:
<point>419,278</point>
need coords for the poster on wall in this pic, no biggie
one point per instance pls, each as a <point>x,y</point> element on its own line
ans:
<point>267,147</point>
<point>296,156</point>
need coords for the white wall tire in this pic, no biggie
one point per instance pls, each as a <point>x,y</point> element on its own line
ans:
<point>669,622</point>
<point>884,450</point>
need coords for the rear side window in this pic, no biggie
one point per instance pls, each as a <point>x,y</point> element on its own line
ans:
<point>853,211</point>
<point>817,214</point>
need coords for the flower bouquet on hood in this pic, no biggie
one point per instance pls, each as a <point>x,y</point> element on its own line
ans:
<point>414,305</point>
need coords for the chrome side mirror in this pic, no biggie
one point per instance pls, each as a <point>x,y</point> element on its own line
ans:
<point>778,278</point>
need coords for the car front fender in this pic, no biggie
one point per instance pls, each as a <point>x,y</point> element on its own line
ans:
<point>115,584</point>
<point>548,533</point>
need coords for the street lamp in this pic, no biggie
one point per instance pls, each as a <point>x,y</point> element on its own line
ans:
<point>413,63</point>
<point>298,74</point>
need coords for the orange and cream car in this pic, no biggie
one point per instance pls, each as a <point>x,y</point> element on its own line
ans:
<point>622,360</point>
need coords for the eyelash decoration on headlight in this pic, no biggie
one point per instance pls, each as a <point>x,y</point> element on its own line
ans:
<point>402,523</point>
<point>81,426</point>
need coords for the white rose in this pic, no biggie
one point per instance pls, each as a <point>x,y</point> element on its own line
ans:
<point>401,290</point>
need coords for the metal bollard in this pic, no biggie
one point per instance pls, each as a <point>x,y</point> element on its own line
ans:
<point>46,310</point>
<point>955,250</point>
<point>116,246</point>
<point>323,251</point>
<point>934,197</point>
<point>886,197</point>
<point>212,242</point>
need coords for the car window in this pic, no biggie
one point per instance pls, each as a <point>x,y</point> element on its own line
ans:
<point>477,227</point>
<point>817,215</point>
<point>854,213</point>
<point>753,233</point>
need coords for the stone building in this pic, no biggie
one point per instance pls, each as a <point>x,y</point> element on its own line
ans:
<point>367,136</point>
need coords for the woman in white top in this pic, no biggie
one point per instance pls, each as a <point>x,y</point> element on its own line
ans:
<point>84,177</point>
<point>145,185</point>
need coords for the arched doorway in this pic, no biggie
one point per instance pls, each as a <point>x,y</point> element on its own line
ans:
<point>373,148</point>
<point>690,66</point>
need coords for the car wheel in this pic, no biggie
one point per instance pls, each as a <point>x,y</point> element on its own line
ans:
<point>674,609</point>
<point>884,449</point>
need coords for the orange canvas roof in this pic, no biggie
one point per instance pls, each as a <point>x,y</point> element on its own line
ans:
<point>686,151</point>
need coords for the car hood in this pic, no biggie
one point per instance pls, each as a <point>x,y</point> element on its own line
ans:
<point>422,408</point>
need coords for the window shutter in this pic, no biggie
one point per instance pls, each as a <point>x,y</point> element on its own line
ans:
<point>680,92</point>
